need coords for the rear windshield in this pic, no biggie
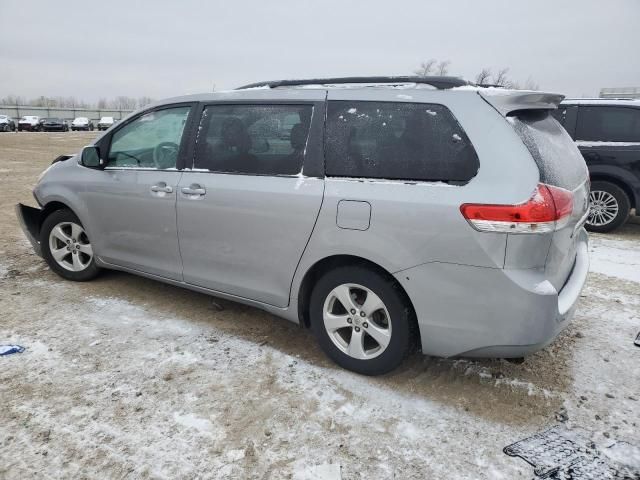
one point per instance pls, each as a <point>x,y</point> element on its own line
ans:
<point>558,159</point>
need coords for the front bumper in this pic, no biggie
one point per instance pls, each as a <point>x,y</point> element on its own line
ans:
<point>491,312</point>
<point>29,219</point>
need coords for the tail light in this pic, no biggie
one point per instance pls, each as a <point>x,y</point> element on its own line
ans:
<point>548,209</point>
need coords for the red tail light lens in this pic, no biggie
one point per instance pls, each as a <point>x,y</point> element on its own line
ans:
<point>548,209</point>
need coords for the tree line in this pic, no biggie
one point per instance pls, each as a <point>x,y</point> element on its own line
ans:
<point>486,76</point>
<point>116,103</point>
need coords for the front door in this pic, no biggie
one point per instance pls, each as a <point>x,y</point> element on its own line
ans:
<point>132,202</point>
<point>247,209</point>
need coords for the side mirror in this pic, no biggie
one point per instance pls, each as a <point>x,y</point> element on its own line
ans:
<point>90,157</point>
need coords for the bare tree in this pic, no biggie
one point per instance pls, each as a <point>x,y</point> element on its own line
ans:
<point>13,100</point>
<point>426,68</point>
<point>530,84</point>
<point>500,78</point>
<point>483,76</point>
<point>144,101</point>
<point>443,68</point>
<point>123,102</point>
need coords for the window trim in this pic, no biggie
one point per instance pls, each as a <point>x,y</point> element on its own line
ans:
<point>104,143</point>
<point>581,109</point>
<point>453,183</point>
<point>313,162</point>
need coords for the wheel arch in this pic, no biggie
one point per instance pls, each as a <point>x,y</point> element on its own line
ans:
<point>51,207</point>
<point>619,182</point>
<point>325,264</point>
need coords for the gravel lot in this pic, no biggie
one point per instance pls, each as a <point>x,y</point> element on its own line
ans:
<point>124,377</point>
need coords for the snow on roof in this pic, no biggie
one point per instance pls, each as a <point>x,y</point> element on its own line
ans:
<point>601,101</point>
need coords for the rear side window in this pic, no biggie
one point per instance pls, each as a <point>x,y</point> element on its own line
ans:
<point>253,139</point>
<point>608,124</point>
<point>402,141</point>
<point>558,159</point>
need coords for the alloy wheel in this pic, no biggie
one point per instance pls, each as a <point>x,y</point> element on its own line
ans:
<point>603,208</point>
<point>357,321</point>
<point>70,246</point>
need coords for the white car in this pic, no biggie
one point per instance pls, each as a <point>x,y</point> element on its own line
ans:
<point>7,124</point>
<point>81,123</point>
<point>30,123</point>
<point>105,123</point>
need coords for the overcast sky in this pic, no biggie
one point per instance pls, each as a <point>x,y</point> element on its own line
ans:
<point>92,49</point>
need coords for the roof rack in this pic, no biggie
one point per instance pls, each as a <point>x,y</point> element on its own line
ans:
<point>441,83</point>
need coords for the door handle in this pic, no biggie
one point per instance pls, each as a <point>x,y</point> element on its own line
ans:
<point>162,188</point>
<point>194,190</point>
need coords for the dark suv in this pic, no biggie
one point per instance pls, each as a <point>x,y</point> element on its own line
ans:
<point>607,132</point>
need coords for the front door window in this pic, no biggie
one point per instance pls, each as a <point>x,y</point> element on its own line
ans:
<point>151,141</point>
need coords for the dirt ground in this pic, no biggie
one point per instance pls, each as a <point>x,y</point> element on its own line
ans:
<point>124,377</point>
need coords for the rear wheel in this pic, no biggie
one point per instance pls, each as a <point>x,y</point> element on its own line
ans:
<point>609,207</point>
<point>362,320</point>
<point>66,247</point>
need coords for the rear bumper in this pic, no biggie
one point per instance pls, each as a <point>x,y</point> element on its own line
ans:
<point>490,312</point>
<point>29,219</point>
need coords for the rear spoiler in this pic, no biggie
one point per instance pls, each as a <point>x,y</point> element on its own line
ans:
<point>509,101</point>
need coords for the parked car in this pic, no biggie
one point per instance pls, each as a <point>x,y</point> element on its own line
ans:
<point>7,124</point>
<point>55,125</point>
<point>607,132</point>
<point>449,218</point>
<point>105,123</point>
<point>82,123</point>
<point>30,123</point>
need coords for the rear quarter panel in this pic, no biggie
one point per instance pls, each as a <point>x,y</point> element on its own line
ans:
<point>414,223</point>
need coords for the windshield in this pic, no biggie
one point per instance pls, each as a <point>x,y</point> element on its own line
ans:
<point>81,120</point>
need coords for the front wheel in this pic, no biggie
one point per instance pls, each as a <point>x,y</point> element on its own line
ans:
<point>66,247</point>
<point>609,207</point>
<point>362,320</point>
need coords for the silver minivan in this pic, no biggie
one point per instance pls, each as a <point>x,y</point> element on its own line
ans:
<point>383,213</point>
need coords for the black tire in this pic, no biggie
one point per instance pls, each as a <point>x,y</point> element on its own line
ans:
<point>403,331</point>
<point>622,201</point>
<point>55,218</point>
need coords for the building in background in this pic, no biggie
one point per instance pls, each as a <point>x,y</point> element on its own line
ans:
<point>620,92</point>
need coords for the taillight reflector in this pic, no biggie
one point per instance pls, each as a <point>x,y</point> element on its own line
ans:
<point>548,209</point>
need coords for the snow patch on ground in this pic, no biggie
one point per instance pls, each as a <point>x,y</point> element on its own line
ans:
<point>614,257</point>
<point>189,420</point>
<point>326,471</point>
